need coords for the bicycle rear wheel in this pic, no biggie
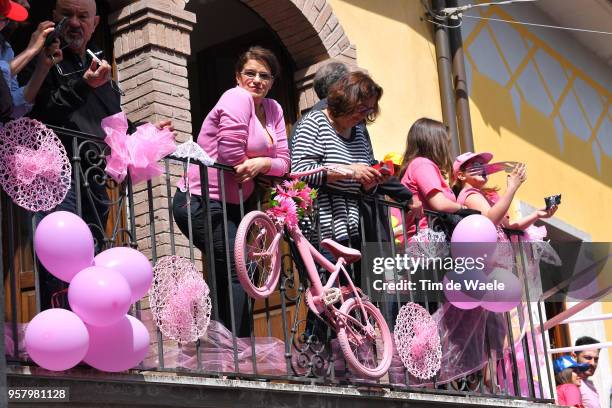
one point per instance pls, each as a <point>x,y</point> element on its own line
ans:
<point>367,353</point>
<point>257,262</point>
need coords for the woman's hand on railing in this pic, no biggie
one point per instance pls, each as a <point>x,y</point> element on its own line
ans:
<point>250,168</point>
<point>368,176</point>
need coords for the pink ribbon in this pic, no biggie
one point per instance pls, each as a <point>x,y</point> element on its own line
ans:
<point>30,163</point>
<point>137,153</point>
<point>423,336</point>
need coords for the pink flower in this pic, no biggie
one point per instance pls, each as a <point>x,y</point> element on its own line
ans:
<point>289,189</point>
<point>305,199</point>
<point>285,212</point>
<point>290,184</point>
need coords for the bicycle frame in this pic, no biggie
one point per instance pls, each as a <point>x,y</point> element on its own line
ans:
<point>347,311</point>
<point>311,256</point>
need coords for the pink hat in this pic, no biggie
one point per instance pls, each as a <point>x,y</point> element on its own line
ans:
<point>12,10</point>
<point>462,158</point>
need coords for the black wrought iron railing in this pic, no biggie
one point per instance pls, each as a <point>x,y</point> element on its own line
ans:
<point>283,341</point>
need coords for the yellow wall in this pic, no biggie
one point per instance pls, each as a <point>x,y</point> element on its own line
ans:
<point>395,47</point>
<point>571,170</point>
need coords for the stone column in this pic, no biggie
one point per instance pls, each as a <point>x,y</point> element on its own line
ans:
<point>151,47</point>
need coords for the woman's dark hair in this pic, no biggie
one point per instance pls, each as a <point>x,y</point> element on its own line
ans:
<point>564,376</point>
<point>260,54</point>
<point>350,91</point>
<point>428,138</point>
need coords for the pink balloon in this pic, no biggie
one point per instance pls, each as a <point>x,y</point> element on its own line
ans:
<point>64,244</point>
<point>56,339</point>
<point>133,265</point>
<point>118,347</point>
<point>459,299</point>
<point>475,236</point>
<point>503,300</point>
<point>99,296</point>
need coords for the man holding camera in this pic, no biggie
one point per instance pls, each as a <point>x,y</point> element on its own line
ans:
<point>77,94</point>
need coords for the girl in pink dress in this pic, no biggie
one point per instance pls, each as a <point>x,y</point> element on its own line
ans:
<point>426,167</point>
<point>476,195</point>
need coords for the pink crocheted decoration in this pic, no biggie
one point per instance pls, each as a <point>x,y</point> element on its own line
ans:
<point>179,299</point>
<point>34,168</point>
<point>417,341</point>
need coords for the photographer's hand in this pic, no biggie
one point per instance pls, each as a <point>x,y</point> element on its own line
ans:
<point>97,74</point>
<point>37,40</point>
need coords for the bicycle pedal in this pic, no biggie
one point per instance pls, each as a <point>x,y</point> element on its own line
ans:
<point>331,296</point>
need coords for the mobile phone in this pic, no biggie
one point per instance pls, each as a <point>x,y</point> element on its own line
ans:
<point>57,31</point>
<point>552,201</point>
<point>385,168</point>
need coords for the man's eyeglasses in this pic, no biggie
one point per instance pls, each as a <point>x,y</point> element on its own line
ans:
<point>264,76</point>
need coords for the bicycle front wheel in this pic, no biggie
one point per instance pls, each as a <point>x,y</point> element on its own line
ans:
<point>365,339</point>
<point>257,261</point>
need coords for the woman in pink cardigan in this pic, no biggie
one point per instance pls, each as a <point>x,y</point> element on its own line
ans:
<point>245,130</point>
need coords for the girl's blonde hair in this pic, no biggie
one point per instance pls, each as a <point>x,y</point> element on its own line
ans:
<point>428,138</point>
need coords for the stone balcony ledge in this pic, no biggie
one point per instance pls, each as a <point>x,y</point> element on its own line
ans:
<point>90,388</point>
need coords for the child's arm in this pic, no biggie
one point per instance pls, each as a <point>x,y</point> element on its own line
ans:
<point>51,55</point>
<point>527,221</point>
<point>437,201</point>
<point>498,211</point>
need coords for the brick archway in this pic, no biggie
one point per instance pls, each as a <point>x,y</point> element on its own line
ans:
<point>309,30</point>
<point>311,33</point>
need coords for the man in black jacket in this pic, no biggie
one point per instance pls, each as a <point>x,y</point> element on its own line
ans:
<point>77,94</point>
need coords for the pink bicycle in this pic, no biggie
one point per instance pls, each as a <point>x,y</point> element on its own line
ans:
<point>363,334</point>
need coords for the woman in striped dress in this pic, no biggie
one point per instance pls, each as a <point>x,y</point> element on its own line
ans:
<point>336,136</point>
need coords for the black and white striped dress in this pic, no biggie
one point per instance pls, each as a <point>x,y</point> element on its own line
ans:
<point>316,144</point>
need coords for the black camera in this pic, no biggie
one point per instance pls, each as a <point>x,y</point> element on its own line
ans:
<point>552,200</point>
<point>57,31</point>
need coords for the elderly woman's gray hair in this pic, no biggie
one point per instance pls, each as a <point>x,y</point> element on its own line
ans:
<point>328,75</point>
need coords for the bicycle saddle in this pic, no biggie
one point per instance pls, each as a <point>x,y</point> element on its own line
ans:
<point>350,255</point>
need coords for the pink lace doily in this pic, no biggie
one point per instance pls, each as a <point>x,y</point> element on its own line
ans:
<point>34,168</point>
<point>179,299</point>
<point>417,341</point>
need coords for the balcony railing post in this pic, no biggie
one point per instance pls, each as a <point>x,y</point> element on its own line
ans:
<point>3,374</point>
<point>530,316</point>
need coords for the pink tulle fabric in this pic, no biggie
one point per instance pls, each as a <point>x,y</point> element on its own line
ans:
<point>523,380</point>
<point>137,153</point>
<point>9,341</point>
<point>179,299</point>
<point>417,341</point>
<point>34,168</point>
<point>217,352</point>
